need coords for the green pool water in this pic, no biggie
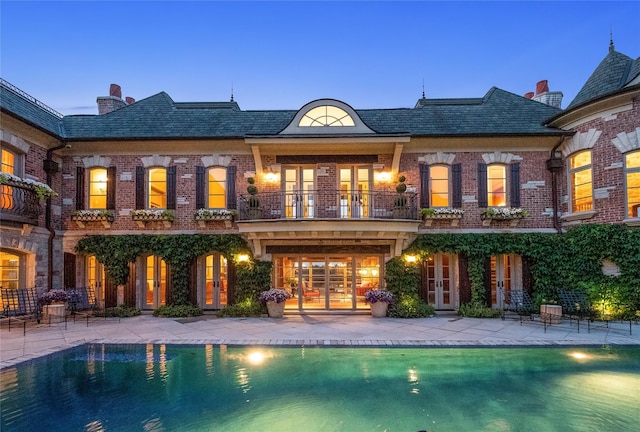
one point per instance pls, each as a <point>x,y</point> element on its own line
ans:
<point>219,388</point>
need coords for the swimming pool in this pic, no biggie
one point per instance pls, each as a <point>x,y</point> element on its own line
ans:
<point>222,388</point>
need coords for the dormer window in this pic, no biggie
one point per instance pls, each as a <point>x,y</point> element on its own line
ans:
<point>326,115</point>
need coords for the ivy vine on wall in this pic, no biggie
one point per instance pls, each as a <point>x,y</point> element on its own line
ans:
<point>116,252</point>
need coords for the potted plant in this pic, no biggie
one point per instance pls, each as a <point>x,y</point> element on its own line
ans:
<point>400,209</point>
<point>275,300</point>
<point>379,299</point>
<point>203,215</point>
<point>53,304</point>
<point>255,212</point>
<point>81,217</point>
<point>149,215</point>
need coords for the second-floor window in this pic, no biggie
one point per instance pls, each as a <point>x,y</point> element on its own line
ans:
<point>217,188</point>
<point>496,185</point>
<point>157,188</point>
<point>581,182</point>
<point>439,186</point>
<point>499,185</point>
<point>632,183</point>
<point>98,188</point>
<point>8,162</point>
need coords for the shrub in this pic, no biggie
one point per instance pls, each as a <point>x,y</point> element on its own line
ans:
<point>177,311</point>
<point>246,308</point>
<point>122,311</point>
<point>474,310</point>
<point>410,306</point>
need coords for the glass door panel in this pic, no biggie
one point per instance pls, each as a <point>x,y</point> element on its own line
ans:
<point>439,281</point>
<point>367,277</point>
<point>340,283</point>
<point>501,270</point>
<point>313,283</point>
<point>215,292</point>
<point>299,184</point>
<point>156,282</point>
<point>355,187</point>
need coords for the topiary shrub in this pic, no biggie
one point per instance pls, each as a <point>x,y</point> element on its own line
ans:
<point>410,306</point>
<point>177,311</point>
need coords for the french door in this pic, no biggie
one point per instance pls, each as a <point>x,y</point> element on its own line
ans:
<point>506,274</point>
<point>438,275</point>
<point>96,279</point>
<point>214,294</point>
<point>155,294</point>
<point>355,188</point>
<point>299,185</point>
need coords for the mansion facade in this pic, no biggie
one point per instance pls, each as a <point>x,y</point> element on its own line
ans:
<point>327,193</point>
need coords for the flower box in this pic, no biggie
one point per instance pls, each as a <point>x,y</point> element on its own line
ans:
<point>203,216</point>
<point>142,217</point>
<point>82,217</point>
<point>441,213</point>
<point>512,215</point>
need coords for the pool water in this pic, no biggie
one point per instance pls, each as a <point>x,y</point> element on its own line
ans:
<point>219,388</point>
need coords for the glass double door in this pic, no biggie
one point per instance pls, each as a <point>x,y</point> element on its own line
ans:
<point>299,185</point>
<point>327,282</point>
<point>355,192</point>
<point>438,275</point>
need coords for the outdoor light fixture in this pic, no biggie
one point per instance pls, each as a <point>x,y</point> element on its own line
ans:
<point>242,258</point>
<point>411,259</point>
<point>382,177</point>
<point>271,177</point>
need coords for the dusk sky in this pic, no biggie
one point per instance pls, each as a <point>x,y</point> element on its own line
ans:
<point>281,55</point>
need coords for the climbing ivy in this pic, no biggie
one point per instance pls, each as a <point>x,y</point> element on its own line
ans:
<point>179,251</point>
<point>557,261</point>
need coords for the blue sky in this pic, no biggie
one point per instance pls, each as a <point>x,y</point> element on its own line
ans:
<point>281,55</point>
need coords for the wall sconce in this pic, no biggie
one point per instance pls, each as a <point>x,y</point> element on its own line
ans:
<point>271,177</point>
<point>382,176</point>
<point>411,259</point>
<point>242,258</point>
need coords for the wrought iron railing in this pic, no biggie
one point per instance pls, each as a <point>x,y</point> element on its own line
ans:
<point>19,203</point>
<point>323,204</point>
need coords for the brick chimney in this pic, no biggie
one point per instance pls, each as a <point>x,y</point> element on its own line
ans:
<point>529,95</point>
<point>545,96</point>
<point>114,101</point>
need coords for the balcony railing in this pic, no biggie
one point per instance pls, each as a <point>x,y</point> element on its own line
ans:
<point>328,205</point>
<point>19,203</point>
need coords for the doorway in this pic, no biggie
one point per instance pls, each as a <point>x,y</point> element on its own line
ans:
<point>155,282</point>
<point>438,281</point>
<point>505,274</point>
<point>299,184</point>
<point>355,188</point>
<point>214,292</point>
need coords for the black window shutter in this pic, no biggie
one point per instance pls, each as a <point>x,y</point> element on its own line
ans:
<point>483,199</point>
<point>231,187</point>
<point>80,188</point>
<point>140,188</point>
<point>424,186</point>
<point>487,282</point>
<point>515,185</point>
<point>200,187</point>
<point>456,180</point>
<point>111,188</point>
<point>171,187</point>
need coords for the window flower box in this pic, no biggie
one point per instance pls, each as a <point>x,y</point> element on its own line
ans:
<point>441,213</point>
<point>513,215</point>
<point>142,217</point>
<point>82,217</point>
<point>202,216</point>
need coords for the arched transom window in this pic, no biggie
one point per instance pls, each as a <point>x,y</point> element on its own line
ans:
<point>326,115</point>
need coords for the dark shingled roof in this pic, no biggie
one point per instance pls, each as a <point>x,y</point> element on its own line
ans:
<point>31,110</point>
<point>612,74</point>
<point>159,117</point>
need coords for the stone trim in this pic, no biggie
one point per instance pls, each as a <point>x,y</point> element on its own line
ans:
<point>499,157</point>
<point>626,142</point>
<point>580,141</point>
<point>156,160</point>
<point>216,160</point>
<point>96,161</point>
<point>439,158</point>
<point>15,141</point>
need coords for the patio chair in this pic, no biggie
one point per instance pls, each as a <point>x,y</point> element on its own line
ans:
<point>20,305</point>
<point>576,305</point>
<point>519,302</point>
<point>83,303</point>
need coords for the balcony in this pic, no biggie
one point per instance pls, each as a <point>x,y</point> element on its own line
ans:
<point>19,202</point>
<point>323,205</point>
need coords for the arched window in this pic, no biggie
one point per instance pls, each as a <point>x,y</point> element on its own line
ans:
<point>581,182</point>
<point>439,185</point>
<point>496,185</point>
<point>217,188</point>
<point>632,183</point>
<point>326,115</point>
<point>157,195</point>
<point>98,188</point>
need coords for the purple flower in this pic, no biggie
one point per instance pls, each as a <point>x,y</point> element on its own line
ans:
<point>274,295</point>
<point>378,295</point>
